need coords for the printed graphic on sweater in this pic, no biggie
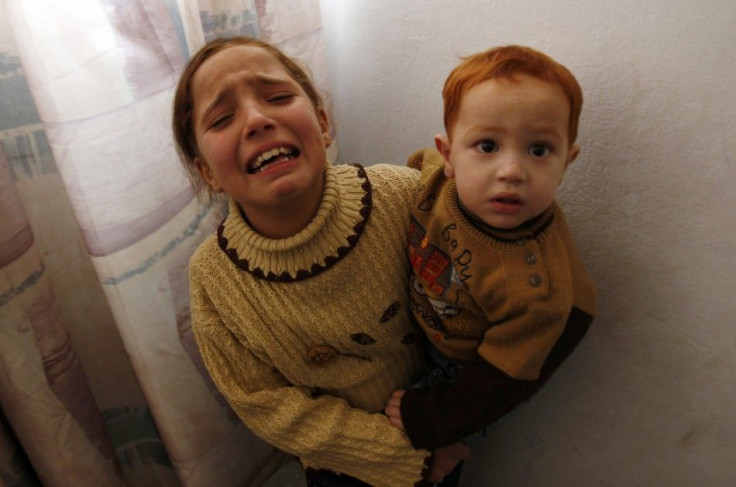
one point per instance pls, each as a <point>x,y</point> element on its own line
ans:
<point>441,308</point>
<point>430,264</point>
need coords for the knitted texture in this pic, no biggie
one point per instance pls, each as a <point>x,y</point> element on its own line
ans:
<point>308,336</point>
<point>487,294</point>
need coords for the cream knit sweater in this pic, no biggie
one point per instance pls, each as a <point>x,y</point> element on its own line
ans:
<point>307,336</point>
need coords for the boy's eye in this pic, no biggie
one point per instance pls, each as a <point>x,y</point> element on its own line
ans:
<point>538,150</point>
<point>487,146</point>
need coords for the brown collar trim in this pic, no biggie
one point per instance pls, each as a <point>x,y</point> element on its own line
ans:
<point>340,252</point>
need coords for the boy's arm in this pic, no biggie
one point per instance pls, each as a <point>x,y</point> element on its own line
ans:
<point>480,394</point>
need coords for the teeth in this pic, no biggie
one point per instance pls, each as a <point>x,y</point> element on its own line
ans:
<point>269,155</point>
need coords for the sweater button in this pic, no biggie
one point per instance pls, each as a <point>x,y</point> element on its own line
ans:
<point>530,259</point>
<point>535,280</point>
<point>321,354</point>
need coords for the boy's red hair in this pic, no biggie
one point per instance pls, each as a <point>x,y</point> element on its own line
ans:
<point>506,62</point>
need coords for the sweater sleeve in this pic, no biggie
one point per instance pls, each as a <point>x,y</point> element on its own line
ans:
<point>322,430</point>
<point>426,160</point>
<point>480,394</point>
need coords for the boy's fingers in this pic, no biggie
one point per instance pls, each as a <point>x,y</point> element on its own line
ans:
<point>396,423</point>
<point>393,409</point>
<point>398,393</point>
<point>394,402</point>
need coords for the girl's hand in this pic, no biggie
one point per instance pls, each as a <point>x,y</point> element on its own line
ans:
<point>445,461</point>
<point>393,409</point>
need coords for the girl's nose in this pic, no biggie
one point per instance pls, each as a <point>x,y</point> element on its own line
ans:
<point>257,122</point>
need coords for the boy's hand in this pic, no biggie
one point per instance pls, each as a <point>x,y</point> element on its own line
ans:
<point>393,409</point>
<point>445,461</point>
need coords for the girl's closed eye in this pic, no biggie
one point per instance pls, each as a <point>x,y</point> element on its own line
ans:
<point>220,121</point>
<point>487,146</point>
<point>280,97</point>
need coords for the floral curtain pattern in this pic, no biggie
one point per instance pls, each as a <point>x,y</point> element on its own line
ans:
<point>100,379</point>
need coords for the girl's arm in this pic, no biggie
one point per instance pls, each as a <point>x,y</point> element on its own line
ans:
<point>323,431</point>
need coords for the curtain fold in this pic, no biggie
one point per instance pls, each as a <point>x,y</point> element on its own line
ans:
<point>101,380</point>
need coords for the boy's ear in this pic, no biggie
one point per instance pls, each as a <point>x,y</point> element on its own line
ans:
<point>572,154</point>
<point>324,125</point>
<point>442,143</point>
<point>206,173</point>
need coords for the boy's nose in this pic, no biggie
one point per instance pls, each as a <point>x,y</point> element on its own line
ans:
<point>511,169</point>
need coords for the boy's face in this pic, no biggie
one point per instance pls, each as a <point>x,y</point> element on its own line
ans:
<point>259,137</point>
<point>509,149</point>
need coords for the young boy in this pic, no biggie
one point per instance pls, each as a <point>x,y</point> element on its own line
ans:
<point>497,284</point>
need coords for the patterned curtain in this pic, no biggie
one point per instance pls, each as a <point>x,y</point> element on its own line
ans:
<point>101,383</point>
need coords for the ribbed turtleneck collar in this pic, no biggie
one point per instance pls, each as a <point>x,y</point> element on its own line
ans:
<point>333,232</point>
<point>533,228</point>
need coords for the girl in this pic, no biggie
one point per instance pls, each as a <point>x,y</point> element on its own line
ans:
<point>299,302</point>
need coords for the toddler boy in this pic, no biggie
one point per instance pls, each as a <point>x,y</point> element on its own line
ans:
<point>497,286</point>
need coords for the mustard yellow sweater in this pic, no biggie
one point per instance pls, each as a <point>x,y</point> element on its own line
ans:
<point>489,294</point>
<point>510,306</point>
<point>307,336</point>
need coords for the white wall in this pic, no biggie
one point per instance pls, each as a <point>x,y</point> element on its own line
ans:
<point>649,398</point>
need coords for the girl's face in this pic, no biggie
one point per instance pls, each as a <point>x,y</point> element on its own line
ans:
<point>259,137</point>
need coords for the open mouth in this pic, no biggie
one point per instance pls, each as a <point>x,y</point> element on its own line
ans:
<point>273,156</point>
<point>507,200</point>
<point>507,203</point>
